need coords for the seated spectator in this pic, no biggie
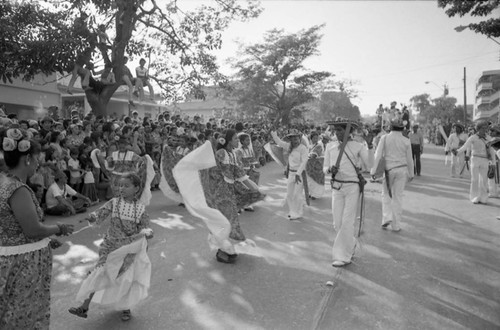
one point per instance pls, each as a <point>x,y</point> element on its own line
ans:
<point>61,199</point>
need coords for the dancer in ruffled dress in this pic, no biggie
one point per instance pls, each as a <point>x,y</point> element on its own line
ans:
<point>246,159</point>
<point>122,274</point>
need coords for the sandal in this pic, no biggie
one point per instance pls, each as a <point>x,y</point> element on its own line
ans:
<point>126,315</point>
<point>225,258</point>
<point>79,311</point>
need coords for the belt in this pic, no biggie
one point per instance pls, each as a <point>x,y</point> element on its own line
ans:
<point>342,181</point>
<point>293,170</point>
<point>24,248</point>
<point>396,167</point>
<point>480,156</point>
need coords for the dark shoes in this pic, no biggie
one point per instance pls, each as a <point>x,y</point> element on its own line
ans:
<point>126,315</point>
<point>225,258</point>
<point>78,311</point>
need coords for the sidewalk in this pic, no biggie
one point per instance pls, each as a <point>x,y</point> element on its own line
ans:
<point>442,271</point>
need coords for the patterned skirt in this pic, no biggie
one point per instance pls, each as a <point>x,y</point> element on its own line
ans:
<point>220,195</point>
<point>25,286</point>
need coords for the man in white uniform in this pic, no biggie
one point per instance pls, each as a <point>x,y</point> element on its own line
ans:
<point>398,170</point>
<point>345,189</point>
<point>297,159</point>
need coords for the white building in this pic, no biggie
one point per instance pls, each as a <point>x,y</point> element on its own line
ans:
<point>487,103</point>
<point>30,100</point>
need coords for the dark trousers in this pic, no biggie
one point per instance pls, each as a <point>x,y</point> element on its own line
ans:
<point>415,151</point>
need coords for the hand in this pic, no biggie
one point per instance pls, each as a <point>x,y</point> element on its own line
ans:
<point>298,179</point>
<point>65,229</point>
<point>54,243</point>
<point>148,232</point>
<point>334,170</point>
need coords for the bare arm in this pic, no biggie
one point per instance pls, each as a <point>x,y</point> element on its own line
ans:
<point>24,210</point>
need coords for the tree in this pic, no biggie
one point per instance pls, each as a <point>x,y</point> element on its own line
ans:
<point>48,37</point>
<point>442,108</point>
<point>337,104</point>
<point>489,27</point>
<point>272,75</point>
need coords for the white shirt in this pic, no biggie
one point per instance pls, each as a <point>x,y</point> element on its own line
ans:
<point>297,159</point>
<point>54,191</point>
<point>397,152</point>
<point>357,152</point>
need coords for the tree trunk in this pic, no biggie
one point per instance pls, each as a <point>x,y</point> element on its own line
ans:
<point>99,102</point>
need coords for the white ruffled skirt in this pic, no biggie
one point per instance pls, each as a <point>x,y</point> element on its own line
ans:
<point>124,291</point>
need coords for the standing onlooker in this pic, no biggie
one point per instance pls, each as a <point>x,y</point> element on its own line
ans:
<point>417,148</point>
<point>398,170</point>
<point>481,156</point>
<point>25,255</point>
<point>75,170</point>
<point>456,140</point>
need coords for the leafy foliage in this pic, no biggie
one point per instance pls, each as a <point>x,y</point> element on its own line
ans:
<point>271,74</point>
<point>489,27</point>
<point>442,108</point>
<point>337,104</point>
<point>47,37</point>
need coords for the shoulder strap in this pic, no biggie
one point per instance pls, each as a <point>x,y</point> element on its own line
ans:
<point>347,155</point>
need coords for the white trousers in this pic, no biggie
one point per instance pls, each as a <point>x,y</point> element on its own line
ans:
<point>457,164</point>
<point>344,209</point>
<point>392,208</point>
<point>479,180</point>
<point>295,198</point>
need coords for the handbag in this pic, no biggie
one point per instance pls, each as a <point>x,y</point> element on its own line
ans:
<point>491,171</point>
<point>491,167</point>
<point>380,169</point>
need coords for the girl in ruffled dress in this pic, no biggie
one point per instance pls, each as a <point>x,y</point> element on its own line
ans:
<point>122,274</point>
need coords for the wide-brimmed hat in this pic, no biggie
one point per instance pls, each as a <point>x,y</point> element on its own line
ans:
<point>398,123</point>
<point>495,128</point>
<point>293,132</point>
<point>122,139</point>
<point>458,125</point>
<point>339,121</point>
<point>494,143</point>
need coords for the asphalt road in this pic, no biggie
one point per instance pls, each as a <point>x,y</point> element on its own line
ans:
<point>442,271</point>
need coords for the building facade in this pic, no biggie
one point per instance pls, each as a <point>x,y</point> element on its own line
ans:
<point>30,100</point>
<point>487,103</point>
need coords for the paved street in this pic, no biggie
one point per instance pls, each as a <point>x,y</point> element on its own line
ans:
<point>442,271</point>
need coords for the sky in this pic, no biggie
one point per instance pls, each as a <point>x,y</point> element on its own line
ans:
<point>390,47</point>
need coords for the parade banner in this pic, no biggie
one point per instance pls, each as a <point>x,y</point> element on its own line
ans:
<point>276,153</point>
<point>186,174</point>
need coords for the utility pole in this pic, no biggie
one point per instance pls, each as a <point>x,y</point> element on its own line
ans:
<point>465,97</point>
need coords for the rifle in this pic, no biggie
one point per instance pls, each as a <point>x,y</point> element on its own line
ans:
<point>341,150</point>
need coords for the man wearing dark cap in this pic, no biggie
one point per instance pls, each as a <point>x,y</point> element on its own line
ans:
<point>398,170</point>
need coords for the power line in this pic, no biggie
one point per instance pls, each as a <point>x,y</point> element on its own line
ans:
<point>434,65</point>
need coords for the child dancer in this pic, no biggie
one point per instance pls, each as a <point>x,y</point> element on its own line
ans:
<point>122,274</point>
